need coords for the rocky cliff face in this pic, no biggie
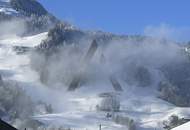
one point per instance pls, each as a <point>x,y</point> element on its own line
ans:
<point>36,18</point>
<point>28,7</point>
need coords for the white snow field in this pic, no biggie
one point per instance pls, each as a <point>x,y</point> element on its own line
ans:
<point>28,41</point>
<point>185,126</point>
<point>77,109</point>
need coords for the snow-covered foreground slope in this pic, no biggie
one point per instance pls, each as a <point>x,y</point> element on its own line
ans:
<point>78,109</point>
<point>185,126</point>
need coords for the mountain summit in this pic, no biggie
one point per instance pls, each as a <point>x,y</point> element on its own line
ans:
<point>28,7</point>
<point>35,16</point>
<point>22,7</point>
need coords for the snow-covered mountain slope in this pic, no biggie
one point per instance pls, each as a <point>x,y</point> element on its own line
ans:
<point>5,7</point>
<point>148,112</point>
<point>28,41</point>
<point>185,126</point>
<point>78,109</point>
<point>22,7</point>
<point>11,64</point>
<point>136,63</point>
<point>35,17</point>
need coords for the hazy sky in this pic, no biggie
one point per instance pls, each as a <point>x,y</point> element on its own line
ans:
<point>122,16</point>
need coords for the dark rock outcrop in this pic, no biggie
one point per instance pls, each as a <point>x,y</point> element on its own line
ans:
<point>28,7</point>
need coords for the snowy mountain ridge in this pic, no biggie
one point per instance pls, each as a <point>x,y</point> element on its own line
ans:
<point>31,12</point>
<point>24,7</point>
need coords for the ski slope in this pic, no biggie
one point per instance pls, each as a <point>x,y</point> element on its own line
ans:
<point>78,109</point>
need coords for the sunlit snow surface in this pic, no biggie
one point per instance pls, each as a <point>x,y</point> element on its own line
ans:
<point>185,126</point>
<point>28,41</point>
<point>78,109</point>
